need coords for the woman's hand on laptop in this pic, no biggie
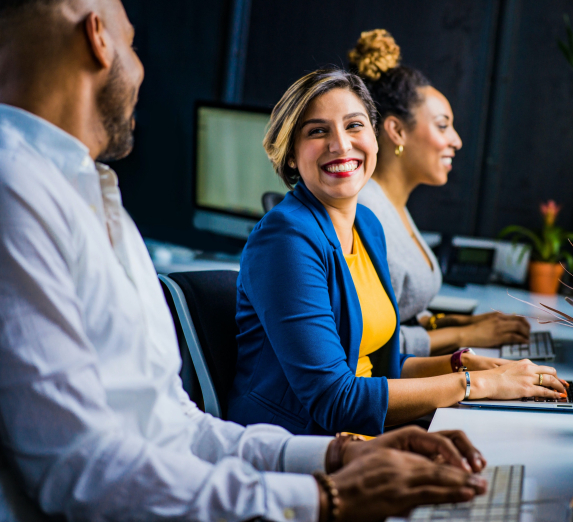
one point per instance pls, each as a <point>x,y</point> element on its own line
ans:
<point>516,380</point>
<point>452,447</point>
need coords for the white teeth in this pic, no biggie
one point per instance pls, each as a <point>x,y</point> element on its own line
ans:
<point>349,166</point>
<point>447,161</point>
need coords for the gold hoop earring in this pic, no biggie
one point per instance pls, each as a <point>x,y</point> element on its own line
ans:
<point>399,150</point>
<point>292,164</point>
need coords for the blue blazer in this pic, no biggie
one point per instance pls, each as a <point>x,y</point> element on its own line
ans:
<point>300,325</point>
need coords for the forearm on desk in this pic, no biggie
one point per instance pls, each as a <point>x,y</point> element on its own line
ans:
<point>409,399</point>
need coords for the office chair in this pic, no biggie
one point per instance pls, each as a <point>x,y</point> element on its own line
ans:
<point>205,305</point>
<point>271,200</point>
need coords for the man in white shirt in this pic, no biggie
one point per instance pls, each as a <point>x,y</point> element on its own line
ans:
<point>92,412</point>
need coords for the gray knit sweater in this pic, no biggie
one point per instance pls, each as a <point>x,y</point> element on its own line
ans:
<point>415,283</point>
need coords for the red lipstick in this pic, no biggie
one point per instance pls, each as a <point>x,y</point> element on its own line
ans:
<point>342,161</point>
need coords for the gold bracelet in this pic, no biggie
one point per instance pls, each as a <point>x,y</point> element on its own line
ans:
<point>433,321</point>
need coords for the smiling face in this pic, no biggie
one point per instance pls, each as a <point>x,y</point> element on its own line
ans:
<point>430,146</point>
<point>335,147</point>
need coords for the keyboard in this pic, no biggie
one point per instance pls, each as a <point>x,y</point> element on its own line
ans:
<point>501,502</point>
<point>567,400</point>
<point>540,347</point>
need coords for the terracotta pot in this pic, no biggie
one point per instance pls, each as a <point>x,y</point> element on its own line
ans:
<point>544,277</point>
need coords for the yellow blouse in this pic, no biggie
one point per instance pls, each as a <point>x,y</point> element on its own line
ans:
<point>378,314</point>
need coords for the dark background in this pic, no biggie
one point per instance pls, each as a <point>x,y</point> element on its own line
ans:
<point>497,61</point>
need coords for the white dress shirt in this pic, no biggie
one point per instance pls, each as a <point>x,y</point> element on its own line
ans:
<point>92,411</point>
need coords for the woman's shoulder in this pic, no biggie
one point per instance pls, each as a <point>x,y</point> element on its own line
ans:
<point>373,197</point>
<point>289,215</point>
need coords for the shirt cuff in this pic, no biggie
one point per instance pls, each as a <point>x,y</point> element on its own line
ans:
<point>305,454</point>
<point>291,498</point>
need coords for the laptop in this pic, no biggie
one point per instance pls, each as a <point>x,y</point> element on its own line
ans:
<point>527,403</point>
<point>540,348</point>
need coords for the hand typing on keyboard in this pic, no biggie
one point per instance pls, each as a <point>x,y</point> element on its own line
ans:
<point>453,447</point>
<point>517,379</point>
<point>495,329</point>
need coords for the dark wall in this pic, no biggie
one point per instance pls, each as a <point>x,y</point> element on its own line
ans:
<point>495,60</point>
<point>182,45</point>
<point>451,41</point>
<point>531,157</point>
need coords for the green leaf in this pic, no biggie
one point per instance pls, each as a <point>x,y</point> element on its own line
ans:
<point>518,231</point>
<point>567,48</point>
<point>568,30</point>
<point>565,51</point>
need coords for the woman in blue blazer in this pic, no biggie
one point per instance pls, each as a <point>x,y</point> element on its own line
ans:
<point>298,311</point>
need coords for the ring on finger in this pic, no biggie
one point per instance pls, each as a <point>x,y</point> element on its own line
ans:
<point>540,379</point>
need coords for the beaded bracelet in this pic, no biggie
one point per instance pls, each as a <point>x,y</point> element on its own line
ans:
<point>332,493</point>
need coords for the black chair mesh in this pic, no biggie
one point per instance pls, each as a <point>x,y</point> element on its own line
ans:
<point>211,297</point>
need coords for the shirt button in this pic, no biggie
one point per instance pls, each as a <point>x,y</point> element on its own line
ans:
<point>86,162</point>
<point>289,513</point>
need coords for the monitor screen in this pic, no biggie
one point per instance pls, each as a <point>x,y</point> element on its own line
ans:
<point>232,168</point>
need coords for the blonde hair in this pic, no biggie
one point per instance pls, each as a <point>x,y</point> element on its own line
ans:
<point>375,53</point>
<point>286,115</point>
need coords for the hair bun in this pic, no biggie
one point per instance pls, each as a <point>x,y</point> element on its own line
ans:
<point>375,53</point>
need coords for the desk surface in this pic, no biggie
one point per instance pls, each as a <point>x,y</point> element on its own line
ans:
<point>495,297</point>
<point>543,442</point>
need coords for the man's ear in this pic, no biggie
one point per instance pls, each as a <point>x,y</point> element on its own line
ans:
<point>395,130</point>
<point>99,41</point>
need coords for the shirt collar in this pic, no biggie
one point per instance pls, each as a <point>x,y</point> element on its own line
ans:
<point>67,153</point>
<point>307,198</point>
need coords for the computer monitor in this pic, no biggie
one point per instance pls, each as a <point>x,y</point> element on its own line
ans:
<point>232,171</point>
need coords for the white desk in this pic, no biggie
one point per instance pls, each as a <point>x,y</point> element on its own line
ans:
<point>543,442</point>
<point>494,297</point>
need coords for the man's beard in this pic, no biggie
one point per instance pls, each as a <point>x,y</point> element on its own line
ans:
<point>112,101</point>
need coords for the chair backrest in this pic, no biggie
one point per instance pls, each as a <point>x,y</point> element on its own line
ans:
<point>211,300</point>
<point>188,374</point>
<point>271,200</point>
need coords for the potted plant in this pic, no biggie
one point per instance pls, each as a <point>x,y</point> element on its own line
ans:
<point>545,267</point>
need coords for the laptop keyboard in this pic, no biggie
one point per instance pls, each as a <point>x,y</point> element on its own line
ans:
<point>499,504</point>
<point>567,400</point>
<point>540,347</point>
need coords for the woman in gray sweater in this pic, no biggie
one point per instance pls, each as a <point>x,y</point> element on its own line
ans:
<point>417,143</point>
